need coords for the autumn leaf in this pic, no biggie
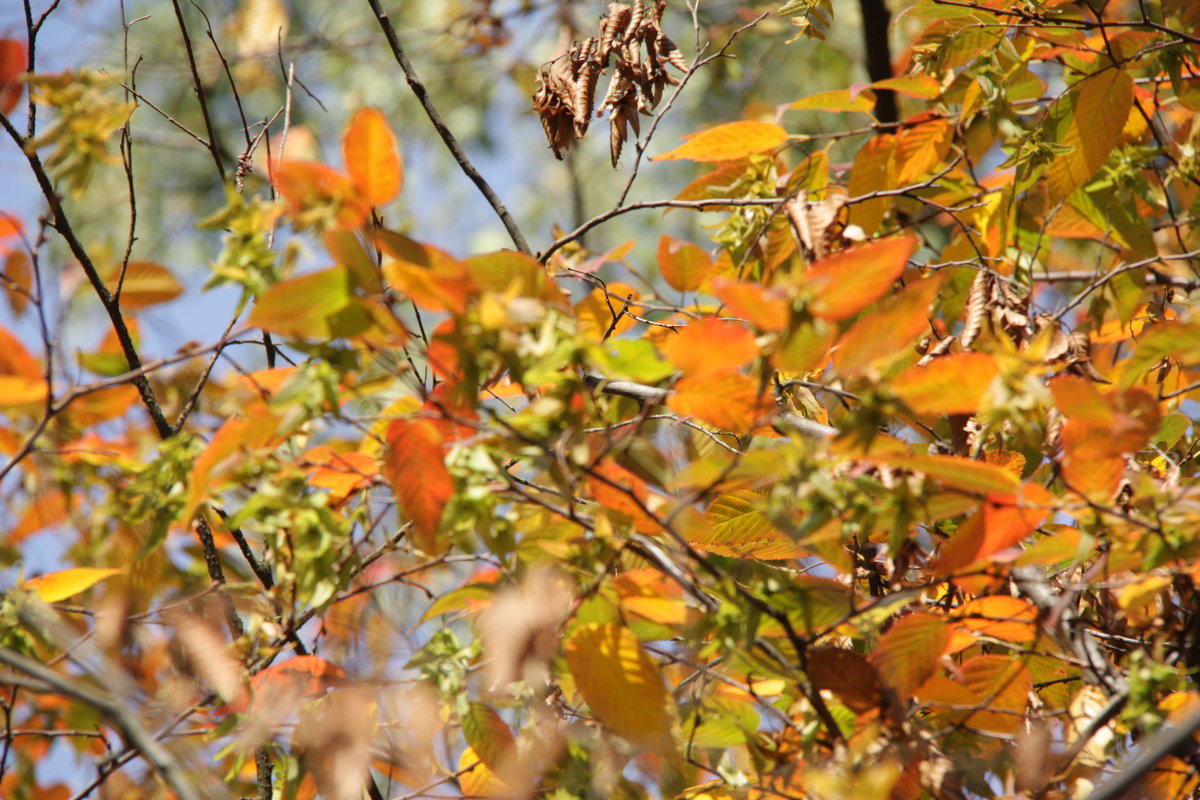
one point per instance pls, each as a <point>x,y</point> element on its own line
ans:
<point>144,284</point>
<point>369,150</point>
<point>319,195</point>
<point>708,346</point>
<point>877,340</point>
<point>836,100</point>
<point>1089,118</point>
<point>13,62</point>
<point>848,281</point>
<point>730,401</point>
<point>728,142</point>
<point>683,264</point>
<point>740,529</point>
<point>848,675</point>
<point>54,587</point>
<point>621,684</point>
<point>908,653</point>
<point>314,306</point>
<point>415,467</point>
<point>954,384</point>
<point>766,309</point>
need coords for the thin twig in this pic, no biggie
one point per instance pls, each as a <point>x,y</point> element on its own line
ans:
<point>439,125</point>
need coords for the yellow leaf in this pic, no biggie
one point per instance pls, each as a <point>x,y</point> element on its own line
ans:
<point>369,150</point>
<point>728,142</point>
<point>740,529</point>
<point>55,586</point>
<point>1093,114</point>
<point>836,100</point>
<point>621,684</point>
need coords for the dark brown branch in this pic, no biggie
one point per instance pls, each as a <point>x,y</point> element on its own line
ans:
<point>452,144</point>
<point>875,20</point>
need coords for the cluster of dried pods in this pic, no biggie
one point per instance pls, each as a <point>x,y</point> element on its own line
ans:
<point>567,85</point>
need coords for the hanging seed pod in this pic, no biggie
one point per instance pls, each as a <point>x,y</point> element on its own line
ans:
<point>977,302</point>
<point>613,30</point>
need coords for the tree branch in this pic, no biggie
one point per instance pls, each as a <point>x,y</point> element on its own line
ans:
<point>117,712</point>
<point>452,144</point>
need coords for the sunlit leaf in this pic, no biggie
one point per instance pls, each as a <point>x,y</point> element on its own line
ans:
<point>12,63</point>
<point>415,467</point>
<point>369,150</point>
<point>740,529</point>
<point>711,345</point>
<point>908,653</point>
<point>955,384</point>
<point>683,264</point>
<point>56,586</point>
<point>727,142</point>
<point>1089,120</point>
<point>145,284</point>
<point>621,684</point>
<point>849,281</point>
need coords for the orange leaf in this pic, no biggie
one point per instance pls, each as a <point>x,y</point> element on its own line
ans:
<point>477,780</point>
<point>877,339</point>
<point>920,148</point>
<point>595,313</point>
<point>301,676</point>
<point>1001,617</point>
<point>710,345</point>
<point>15,359</point>
<point>955,472</point>
<point>416,468</point>
<point>629,496</point>
<point>621,684</point>
<point>1002,683</point>
<point>17,390</point>
<point>236,438</point>
<point>728,142</point>
<point>767,309</point>
<point>954,384</point>
<point>55,586</point>
<point>683,264</point>
<point>727,400</point>
<point>909,652</point>
<point>46,509</point>
<point>431,278</point>
<point>145,284</point>
<point>18,279</point>
<point>849,281</point>
<point>1002,521</point>
<point>13,62</point>
<point>369,150</point>
<point>319,195</point>
<point>343,473</point>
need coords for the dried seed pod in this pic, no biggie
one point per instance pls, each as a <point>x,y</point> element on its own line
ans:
<point>613,29</point>
<point>977,303</point>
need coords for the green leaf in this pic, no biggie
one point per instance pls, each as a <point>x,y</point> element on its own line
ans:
<point>303,307</point>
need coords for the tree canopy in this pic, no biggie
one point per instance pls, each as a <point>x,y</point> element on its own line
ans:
<point>824,427</point>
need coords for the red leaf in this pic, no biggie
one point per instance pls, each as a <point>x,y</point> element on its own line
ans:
<point>13,62</point>
<point>416,468</point>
